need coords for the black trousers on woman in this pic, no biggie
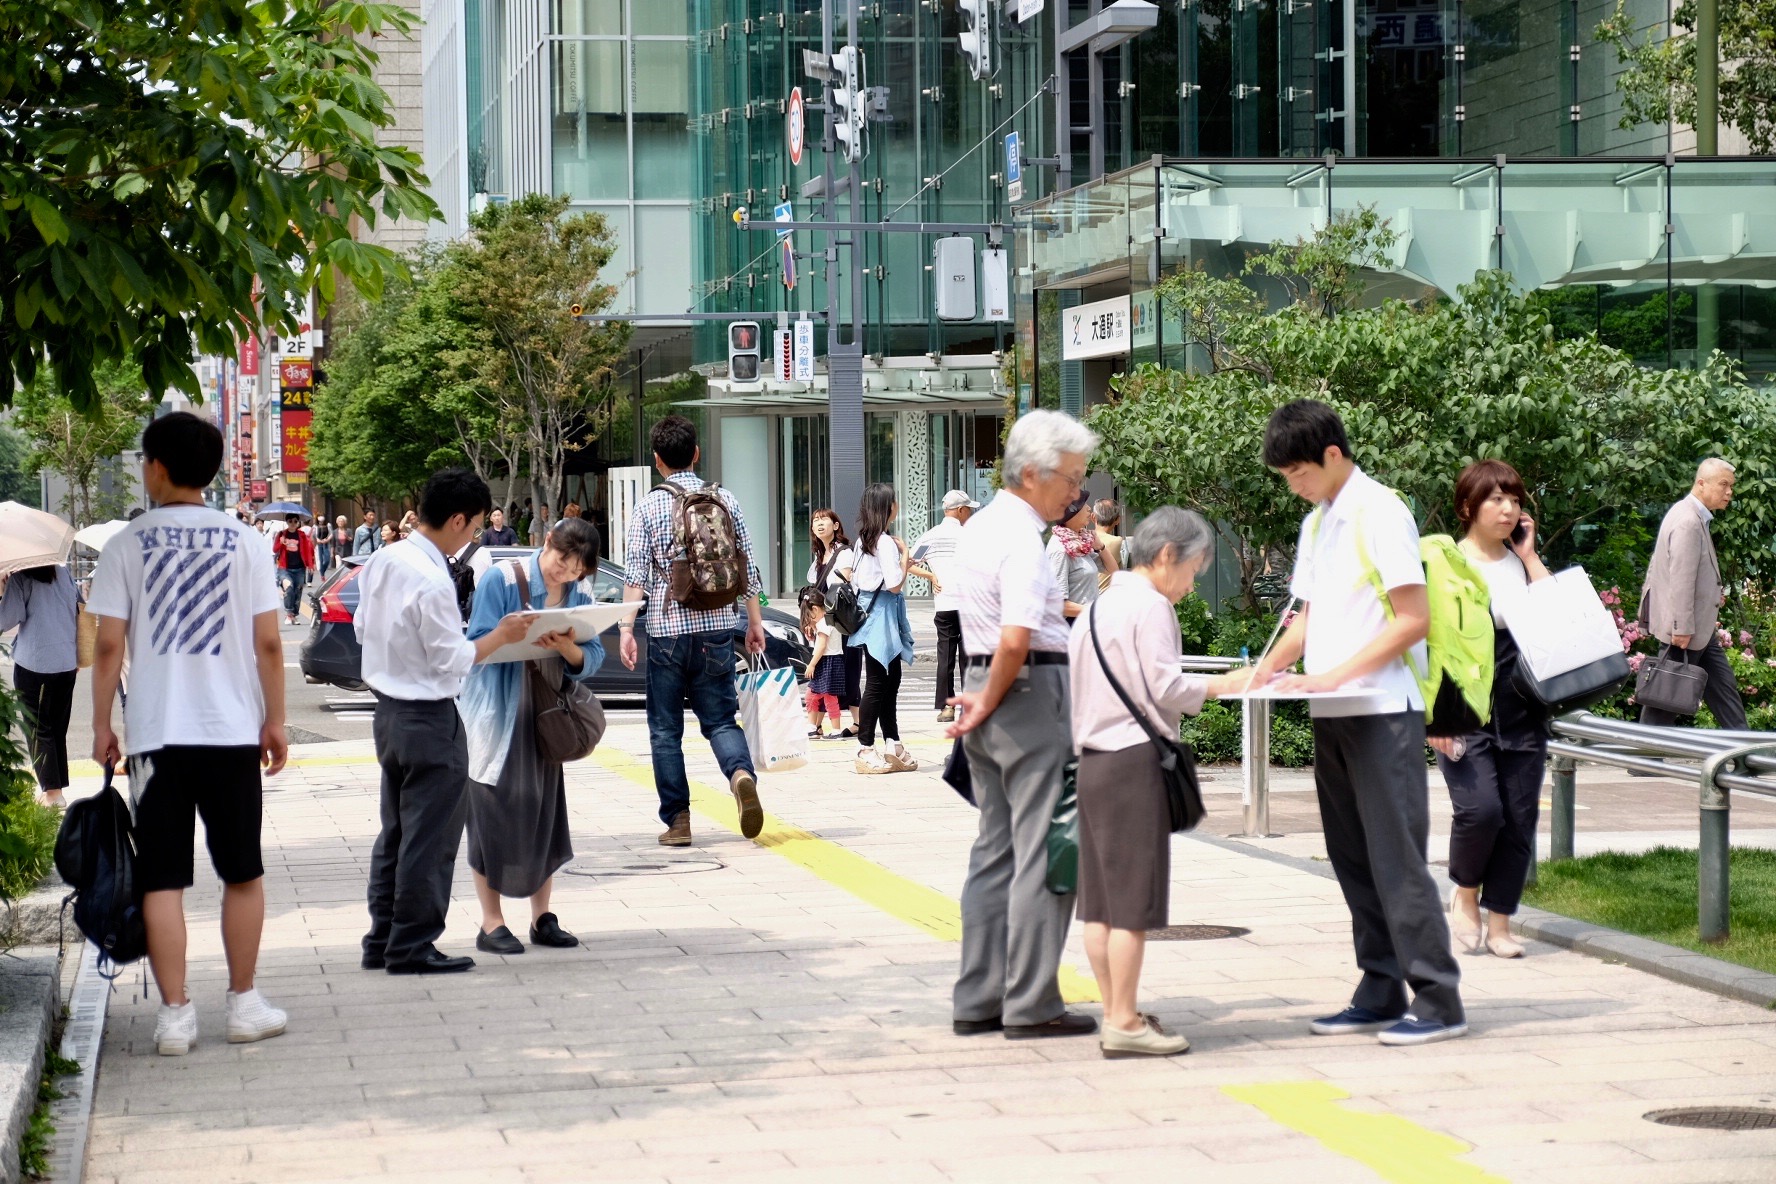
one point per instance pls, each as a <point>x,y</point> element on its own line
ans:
<point>47,700</point>
<point>1497,794</point>
<point>881,699</point>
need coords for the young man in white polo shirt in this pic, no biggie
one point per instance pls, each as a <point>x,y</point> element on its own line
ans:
<point>1369,748</point>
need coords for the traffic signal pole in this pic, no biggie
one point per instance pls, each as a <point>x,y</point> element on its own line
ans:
<point>844,359</point>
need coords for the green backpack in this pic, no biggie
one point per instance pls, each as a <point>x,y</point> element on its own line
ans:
<point>1457,683</point>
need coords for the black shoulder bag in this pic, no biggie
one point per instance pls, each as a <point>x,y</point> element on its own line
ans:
<point>1177,763</point>
<point>566,715</point>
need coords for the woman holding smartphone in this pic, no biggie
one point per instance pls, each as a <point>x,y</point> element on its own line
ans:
<point>1495,775</point>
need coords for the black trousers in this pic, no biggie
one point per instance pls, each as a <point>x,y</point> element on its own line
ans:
<point>1369,773</point>
<point>47,700</point>
<point>424,754</point>
<point>1720,692</point>
<point>950,651</point>
<point>1497,794</point>
<point>881,701</point>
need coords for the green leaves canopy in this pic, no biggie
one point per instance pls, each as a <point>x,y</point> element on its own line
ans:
<point>1660,81</point>
<point>168,165</point>
<point>1425,389</point>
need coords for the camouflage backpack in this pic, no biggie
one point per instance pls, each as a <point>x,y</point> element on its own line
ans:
<point>708,568</point>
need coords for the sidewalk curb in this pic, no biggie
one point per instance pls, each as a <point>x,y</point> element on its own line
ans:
<point>30,992</point>
<point>1597,941</point>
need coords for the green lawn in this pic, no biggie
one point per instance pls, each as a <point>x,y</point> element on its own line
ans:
<point>1654,895</point>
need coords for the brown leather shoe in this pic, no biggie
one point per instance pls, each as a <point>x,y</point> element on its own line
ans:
<point>744,786</point>
<point>679,833</point>
<point>1066,1024</point>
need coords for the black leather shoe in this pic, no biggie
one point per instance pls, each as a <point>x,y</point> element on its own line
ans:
<point>373,960</point>
<point>977,1027</point>
<point>546,930</point>
<point>431,962</point>
<point>1065,1024</point>
<point>500,941</point>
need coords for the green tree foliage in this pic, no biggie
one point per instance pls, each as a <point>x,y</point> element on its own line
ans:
<point>377,427</point>
<point>479,360</point>
<point>173,169</point>
<point>1425,388</point>
<point>18,476</point>
<point>77,443</point>
<point>1659,83</point>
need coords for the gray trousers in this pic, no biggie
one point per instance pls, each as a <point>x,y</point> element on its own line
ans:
<point>1013,927</point>
<point>424,754</point>
<point>1369,771</point>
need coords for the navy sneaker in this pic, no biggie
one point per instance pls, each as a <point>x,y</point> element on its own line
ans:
<point>1412,1030</point>
<point>1352,1019</point>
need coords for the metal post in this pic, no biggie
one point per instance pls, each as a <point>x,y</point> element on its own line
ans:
<point>1255,767</point>
<point>1707,129</point>
<point>1713,851</point>
<point>1560,816</point>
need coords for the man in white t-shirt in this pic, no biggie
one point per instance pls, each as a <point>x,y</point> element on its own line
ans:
<point>1369,747</point>
<point>188,591</point>
<point>934,556</point>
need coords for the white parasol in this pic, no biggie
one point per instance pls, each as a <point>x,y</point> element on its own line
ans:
<point>95,537</point>
<point>31,538</point>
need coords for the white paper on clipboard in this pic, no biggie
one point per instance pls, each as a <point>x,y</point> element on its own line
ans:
<point>587,621</point>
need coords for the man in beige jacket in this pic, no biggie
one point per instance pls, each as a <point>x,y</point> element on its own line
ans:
<point>1680,603</point>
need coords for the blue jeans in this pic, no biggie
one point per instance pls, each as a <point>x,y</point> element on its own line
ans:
<point>694,670</point>
<point>293,579</point>
<point>323,557</point>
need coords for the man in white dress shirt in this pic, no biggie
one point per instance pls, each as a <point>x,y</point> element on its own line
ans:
<point>1015,718</point>
<point>935,556</point>
<point>415,660</point>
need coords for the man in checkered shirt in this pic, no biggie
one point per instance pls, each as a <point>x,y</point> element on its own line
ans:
<point>690,658</point>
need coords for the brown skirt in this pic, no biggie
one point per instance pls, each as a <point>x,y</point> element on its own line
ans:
<point>1125,841</point>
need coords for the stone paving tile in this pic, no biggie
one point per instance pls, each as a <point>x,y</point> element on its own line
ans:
<point>755,1022</point>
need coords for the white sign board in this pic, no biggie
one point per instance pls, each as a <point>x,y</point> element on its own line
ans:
<point>803,370</point>
<point>1096,330</point>
<point>1028,9</point>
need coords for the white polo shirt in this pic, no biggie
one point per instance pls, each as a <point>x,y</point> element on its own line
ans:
<point>1346,612</point>
<point>1003,578</point>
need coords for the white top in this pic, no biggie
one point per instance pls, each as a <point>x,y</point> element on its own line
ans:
<point>188,581</point>
<point>880,570</point>
<point>1503,577</point>
<point>1346,613</point>
<point>409,624</point>
<point>1003,578</point>
<point>940,543</point>
<point>842,560</point>
<point>1138,631</point>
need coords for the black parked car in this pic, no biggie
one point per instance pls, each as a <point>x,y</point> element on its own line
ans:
<point>331,654</point>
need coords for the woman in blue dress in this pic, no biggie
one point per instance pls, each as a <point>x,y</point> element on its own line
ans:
<point>518,827</point>
<point>886,638</point>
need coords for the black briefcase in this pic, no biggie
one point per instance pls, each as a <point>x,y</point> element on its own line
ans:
<point>1671,684</point>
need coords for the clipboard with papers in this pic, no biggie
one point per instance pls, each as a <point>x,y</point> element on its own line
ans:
<point>587,621</point>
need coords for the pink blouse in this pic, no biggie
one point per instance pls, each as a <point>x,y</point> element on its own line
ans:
<point>1138,630</point>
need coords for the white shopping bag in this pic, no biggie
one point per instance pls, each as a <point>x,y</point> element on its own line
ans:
<point>772,716</point>
<point>1559,623</point>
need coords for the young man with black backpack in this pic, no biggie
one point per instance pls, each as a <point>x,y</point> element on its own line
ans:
<point>691,558</point>
<point>189,590</point>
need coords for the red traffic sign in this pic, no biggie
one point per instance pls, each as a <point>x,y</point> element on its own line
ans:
<point>798,134</point>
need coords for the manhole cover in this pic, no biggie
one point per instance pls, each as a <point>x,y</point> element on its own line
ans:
<point>1716,1118</point>
<point>634,865</point>
<point>1195,932</point>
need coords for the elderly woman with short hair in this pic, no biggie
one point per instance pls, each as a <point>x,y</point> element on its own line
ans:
<point>1125,863</point>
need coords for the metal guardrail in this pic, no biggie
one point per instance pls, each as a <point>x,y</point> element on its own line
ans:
<point>1254,747</point>
<point>1724,761</point>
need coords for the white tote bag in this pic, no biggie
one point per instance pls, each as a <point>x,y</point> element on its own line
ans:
<point>1559,623</point>
<point>771,714</point>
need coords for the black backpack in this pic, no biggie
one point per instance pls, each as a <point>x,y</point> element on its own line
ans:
<point>96,855</point>
<point>464,577</point>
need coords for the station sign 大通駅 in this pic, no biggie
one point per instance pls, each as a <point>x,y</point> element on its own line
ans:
<point>1100,329</point>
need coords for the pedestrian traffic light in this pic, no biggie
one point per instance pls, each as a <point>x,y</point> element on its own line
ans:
<point>976,35</point>
<point>847,100</point>
<point>743,351</point>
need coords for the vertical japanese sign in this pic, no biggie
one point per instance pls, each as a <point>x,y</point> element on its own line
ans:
<point>295,387</point>
<point>1014,167</point>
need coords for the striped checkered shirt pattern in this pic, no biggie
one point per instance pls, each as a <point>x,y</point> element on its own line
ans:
<point>1004,578</point>
<point>650,548</point>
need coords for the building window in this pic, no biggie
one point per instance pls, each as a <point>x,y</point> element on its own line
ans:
<point>591,137</point>
<point>663,148</point>
<point>586,18</point>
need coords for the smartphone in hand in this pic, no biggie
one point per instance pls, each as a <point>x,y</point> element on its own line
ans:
<point>1519,533</point>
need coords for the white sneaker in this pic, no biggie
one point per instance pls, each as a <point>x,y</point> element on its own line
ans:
<point>251,1018</point>
<point>175,1029</point>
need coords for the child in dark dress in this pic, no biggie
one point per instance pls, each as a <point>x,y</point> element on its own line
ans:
<point>826,669</point>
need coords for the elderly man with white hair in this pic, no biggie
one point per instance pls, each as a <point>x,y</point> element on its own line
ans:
<point>1014,721</point>
<point>1681,599</point>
